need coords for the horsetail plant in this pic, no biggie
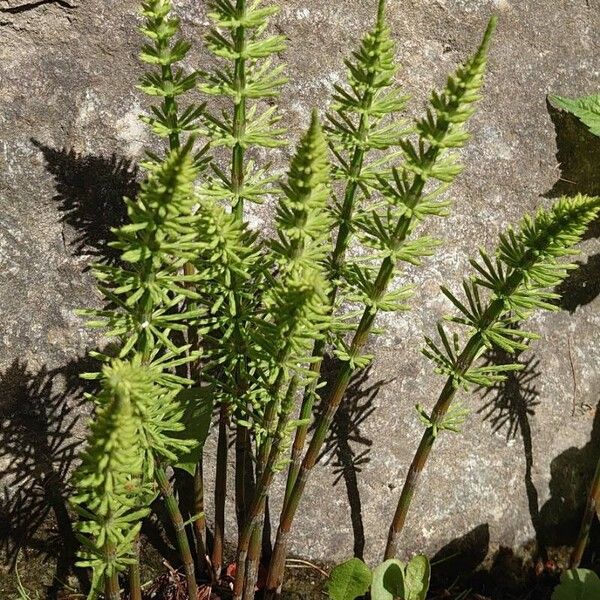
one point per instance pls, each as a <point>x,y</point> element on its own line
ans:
<point>386,230</point>
<point>167,81</point>
<point>138,414</point>
<point>251,319</point>
<point>247,78</point>
<point>364,122</point>
<point>145,291</point>
<point>517,281</point>
<point>165,51</point>
<point>296,314</point>
<point>111,483</point>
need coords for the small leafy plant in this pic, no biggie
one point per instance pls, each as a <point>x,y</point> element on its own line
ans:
<point>577,584</point>
<point>205,314</point>
<point>586,109</point>
<point>389,580</point>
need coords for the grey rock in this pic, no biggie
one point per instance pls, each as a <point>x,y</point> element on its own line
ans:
<point>70,139</point>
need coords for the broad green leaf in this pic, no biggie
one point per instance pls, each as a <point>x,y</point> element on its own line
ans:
<point>416,579</point>
<point>586,109</point>
<point>578,584</point>
<point>349,580</point>
<point>388,581</point>
<point>198,403</point>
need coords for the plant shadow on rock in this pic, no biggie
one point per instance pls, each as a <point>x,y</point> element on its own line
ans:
<point>571,473</point>
<point>508,407</point>
<point>38,444</point>
<point>89,195</point>
<point>346,447</point>
<point>578,155</point>
<point>27,6</point>
<point>40,409</point>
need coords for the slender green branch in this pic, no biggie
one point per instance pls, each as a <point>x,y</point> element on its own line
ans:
<point>466,359</point>
<point>220,493</point>
<point>237,187</point>
<point>590,513</point>
<point>370,79</point>
<point>200,521</point>
<point>239,112</point>
<point>525,265</point>
<point>247,572</point>
<point>253,559</point>
<point>388,234</point>
<point>112,590</point>
<point>297,314</point>
<point>183,544</point>
<point>135,580</point>
<point>238,38</point>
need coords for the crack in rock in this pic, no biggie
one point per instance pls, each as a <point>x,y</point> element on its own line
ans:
<point>21,8</point>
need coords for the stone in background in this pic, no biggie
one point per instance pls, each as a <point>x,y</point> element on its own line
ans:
<point>69,143</point>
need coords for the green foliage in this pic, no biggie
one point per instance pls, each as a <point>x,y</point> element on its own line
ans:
<point>366,110</point>
<point>246,79</point>
<point>349,580</point>
<point>146,288</point>
<point>138,416</point>
<point>390,580</point>
<point>296,299</point>
<point>395,579</point>
<point>507,288</point>
<point>416,578</point>
<point>578,584</point>
<point>112,483</point>
<point>410,194</point>
<point>586,109</point>
<point>230,270</point>
<point>452,420</point>
<point>195,421</point>
<point>199,299</point>
<point>365,121</point>
<point>164,51</point>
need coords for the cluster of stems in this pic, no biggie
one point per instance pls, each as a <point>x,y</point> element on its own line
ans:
<point>244,323</point>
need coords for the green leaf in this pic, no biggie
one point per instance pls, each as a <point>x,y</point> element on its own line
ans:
<point>349,581</point>
<point>198,408</point>
<point>586,109</point>
<point>388,581</point>
<point>578,584</point>
<point>416,579</point>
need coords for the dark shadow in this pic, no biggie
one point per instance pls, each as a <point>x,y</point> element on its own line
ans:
<point>508,406</point>
<point>89,195</point>
<point>582,285</point>
<point>38,445</point>
<point>346,446</point>
<point>578,155</point>
<point>461,557</point>
<point>570,475</point>
<point>464,569</point>
<point>158,533</point>
<point>21,8</point>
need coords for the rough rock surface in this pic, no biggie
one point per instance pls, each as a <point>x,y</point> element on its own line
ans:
<point>69,141</point>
